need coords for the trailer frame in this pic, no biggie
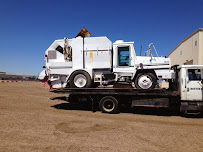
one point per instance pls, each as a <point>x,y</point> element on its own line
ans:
<point>109,99</point>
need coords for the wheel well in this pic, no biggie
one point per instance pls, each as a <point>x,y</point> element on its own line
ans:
<point>144,71</point>
<point>77,71</point>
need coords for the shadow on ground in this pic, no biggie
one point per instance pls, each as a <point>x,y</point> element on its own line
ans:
<point>73,106</point>
<point>123,109</point>
<point>87,106</point>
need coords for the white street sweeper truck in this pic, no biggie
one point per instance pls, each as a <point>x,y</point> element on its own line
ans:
<point>84,62</point>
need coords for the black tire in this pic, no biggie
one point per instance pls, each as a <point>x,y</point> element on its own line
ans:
<point>84,75</point>
<point>151,76</point>
<point>108,104</point>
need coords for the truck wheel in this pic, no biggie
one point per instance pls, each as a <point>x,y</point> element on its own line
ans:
<point>145,81</point>
<point>80,79</point>
<point>108,104</point>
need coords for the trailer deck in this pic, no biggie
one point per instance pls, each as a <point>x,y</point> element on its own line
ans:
<point>115,91</point>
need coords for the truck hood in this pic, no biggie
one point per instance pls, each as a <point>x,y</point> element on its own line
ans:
<point>152,60</point>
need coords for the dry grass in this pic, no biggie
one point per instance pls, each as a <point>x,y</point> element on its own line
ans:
<point>30,122</point>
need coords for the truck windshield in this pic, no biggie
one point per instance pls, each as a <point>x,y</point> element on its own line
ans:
<point>194,74</point>
<point>123,56</point>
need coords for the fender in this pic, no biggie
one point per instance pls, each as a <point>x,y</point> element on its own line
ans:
<point>142,71</point>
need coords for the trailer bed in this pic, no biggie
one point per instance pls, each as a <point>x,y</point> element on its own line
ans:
<point>115,91</point>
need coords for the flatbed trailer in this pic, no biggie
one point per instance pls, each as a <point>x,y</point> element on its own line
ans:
<point>110,99</point>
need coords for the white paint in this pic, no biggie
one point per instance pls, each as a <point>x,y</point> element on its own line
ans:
<point>96,54</point>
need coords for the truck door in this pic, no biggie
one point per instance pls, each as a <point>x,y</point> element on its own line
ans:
<point>123,59</point>
<point>194,84</point>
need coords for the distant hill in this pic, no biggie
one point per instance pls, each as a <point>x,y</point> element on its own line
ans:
<point>25,76</point>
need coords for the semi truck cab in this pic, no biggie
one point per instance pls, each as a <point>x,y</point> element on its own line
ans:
<point>191,87</point>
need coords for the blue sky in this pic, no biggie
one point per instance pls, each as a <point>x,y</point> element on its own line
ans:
<point>28,27</point>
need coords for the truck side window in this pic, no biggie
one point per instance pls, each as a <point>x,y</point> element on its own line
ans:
<point>60,49</point>
<point>123,56</point>
<point>194,74</point>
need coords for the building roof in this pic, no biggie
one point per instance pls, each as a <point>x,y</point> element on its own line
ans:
<point>200,29</point>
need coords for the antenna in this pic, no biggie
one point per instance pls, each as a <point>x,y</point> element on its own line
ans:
<point>140,49</point>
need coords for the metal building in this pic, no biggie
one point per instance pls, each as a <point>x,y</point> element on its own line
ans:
<point>189,51</point>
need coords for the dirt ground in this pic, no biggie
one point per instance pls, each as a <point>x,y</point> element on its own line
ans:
<point>30,121</point>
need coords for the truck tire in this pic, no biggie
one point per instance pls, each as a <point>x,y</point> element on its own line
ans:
<point>108,104</point>
<point>80,79</point>
<point>145,81</point>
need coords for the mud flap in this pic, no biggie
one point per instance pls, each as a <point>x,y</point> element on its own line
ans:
<point>44,79</point>
<point>46,84</point>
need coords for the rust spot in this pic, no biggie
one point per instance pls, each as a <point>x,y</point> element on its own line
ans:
<point>120,85</point>
<point>91,55</point>
<point>159,106</point>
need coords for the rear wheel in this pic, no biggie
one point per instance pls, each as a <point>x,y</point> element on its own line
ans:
<point>108,104</point>
<point>80,79</point>
<point>145,81</point>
